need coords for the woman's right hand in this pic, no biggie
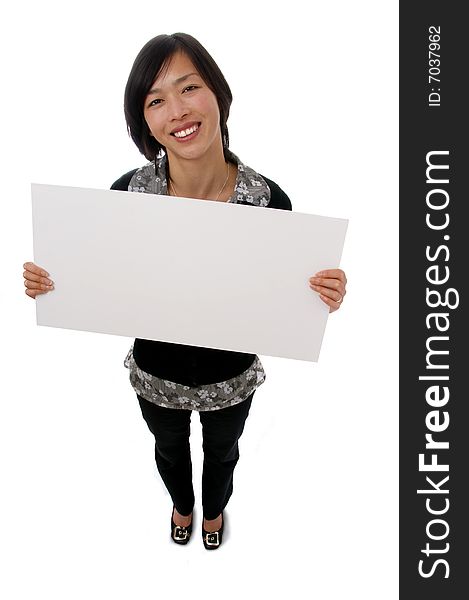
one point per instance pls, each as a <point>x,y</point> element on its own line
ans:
<point>36,280</point>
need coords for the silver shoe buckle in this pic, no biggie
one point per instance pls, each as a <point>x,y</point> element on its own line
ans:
<point>180,533</point>
<point>210,537</point>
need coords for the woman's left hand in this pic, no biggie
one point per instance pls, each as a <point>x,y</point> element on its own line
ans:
<point>330,285</point>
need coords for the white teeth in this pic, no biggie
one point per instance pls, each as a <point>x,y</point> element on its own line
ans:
<point>181,134</point>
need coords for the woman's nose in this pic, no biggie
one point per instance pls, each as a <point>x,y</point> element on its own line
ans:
<point>177,108</point>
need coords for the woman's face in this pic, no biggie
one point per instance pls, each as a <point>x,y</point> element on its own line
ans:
<point>182,111</point>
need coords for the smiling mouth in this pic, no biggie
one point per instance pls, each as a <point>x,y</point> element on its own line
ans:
<point>185,132</point>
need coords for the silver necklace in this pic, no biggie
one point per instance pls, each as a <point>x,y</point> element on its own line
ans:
<point>221,190</point>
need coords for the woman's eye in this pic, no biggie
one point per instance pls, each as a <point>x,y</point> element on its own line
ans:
<point>155,102</point>
<point>189,88</point>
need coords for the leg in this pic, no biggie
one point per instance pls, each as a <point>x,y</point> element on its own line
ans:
<point>221,430</point>
<point>171,428</point>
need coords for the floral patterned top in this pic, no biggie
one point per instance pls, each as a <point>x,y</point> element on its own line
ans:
<point>250,188</point>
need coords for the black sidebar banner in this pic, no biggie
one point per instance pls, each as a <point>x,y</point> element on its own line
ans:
<point>434,360</point>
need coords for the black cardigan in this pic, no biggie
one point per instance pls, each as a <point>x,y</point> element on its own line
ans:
<point>194,365</point>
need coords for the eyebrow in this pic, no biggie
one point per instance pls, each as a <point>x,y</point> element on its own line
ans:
<point>175,82</point>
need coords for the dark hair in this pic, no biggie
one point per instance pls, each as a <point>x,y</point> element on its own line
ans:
<point>151,59</point>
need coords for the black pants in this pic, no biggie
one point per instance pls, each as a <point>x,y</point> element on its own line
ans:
<point>221,430</point>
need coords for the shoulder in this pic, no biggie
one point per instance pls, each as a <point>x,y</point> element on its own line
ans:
<point>278,198</point>
<point>257,189</point>
<point>123,182</point>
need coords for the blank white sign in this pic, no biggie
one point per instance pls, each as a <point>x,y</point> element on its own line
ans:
<point>197,272</point>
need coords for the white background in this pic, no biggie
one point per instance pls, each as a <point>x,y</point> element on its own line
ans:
<point>314,511</point>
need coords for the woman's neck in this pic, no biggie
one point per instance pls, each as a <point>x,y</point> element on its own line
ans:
<point>207,177</point>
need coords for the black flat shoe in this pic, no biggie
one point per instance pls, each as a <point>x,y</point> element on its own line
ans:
<point>212,539</point>
<point>179,534</point>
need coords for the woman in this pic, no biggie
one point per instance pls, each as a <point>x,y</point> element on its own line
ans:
<point>176,106</point>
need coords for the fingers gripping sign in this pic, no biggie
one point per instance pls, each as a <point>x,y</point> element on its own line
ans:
<point>331,286</point>
<point>36,280</point>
